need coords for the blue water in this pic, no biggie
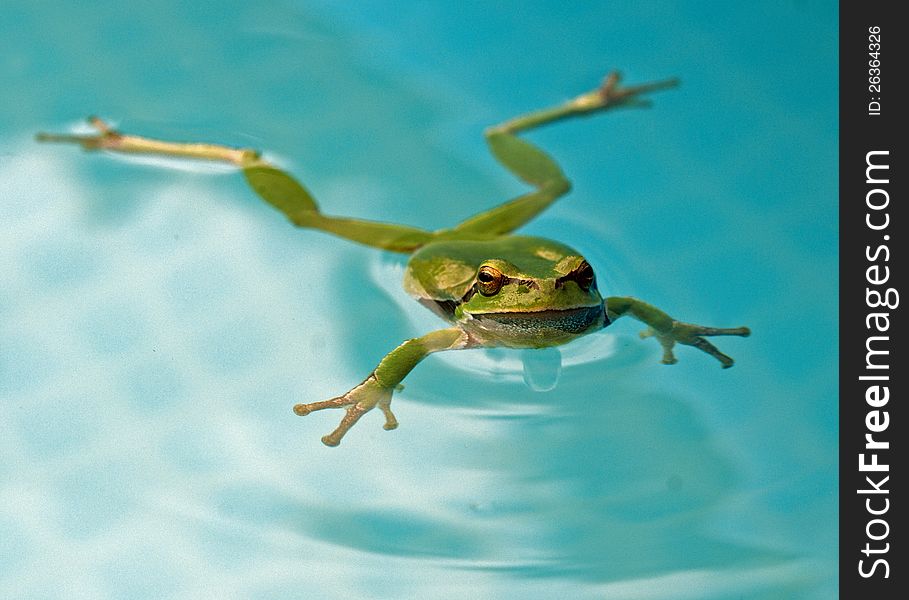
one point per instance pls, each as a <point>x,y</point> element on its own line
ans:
<point>158,323</point>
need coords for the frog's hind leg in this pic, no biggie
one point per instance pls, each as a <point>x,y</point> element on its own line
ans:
<point>530,164</point>
<point>272,184</point>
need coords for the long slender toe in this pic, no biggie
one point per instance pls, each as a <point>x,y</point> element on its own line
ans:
<point>305,409</point>
<point>711,331</point>
<point>705,346</point>
<point>351,417</point>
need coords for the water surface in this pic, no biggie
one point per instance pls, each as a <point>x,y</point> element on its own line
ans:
<point>157,324</point>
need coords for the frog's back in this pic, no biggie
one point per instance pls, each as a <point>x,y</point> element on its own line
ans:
<point>445,270</point>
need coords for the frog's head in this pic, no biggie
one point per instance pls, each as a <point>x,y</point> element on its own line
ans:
<point>501,286</point>
<point>511,290</point>
<point>551,300</point>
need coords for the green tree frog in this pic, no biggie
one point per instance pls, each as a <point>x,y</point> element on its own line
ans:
<point>494,288</point>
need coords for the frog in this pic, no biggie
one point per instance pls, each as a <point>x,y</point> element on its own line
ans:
<point>492,286</point>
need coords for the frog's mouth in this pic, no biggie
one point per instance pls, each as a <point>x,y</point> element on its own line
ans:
<point>569,320</point>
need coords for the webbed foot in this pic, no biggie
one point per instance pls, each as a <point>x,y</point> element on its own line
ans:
<point>611,94</point>
<point>358,401</point>
<point>693,335</point>
<point>377,389</point>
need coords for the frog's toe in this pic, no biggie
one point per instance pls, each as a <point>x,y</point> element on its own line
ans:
<point>611,92</point>
<point>350,419</point>
<point>689,334</point>
<point>304,409</point>
<point>705,346</point>
<point>357,403</point>
<point>390,421</point>
<point>353,414</point>
<point>693,335</point>
<point>668,357</point>
<point>709,331</point>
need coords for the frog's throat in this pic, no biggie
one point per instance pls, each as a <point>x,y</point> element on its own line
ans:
<point>568,320</point>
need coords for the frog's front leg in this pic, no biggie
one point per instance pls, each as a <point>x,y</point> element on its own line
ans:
<point>377,389</point>
<point>668,331</point>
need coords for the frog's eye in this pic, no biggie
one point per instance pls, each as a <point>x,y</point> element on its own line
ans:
<point>489,280</point>
<point>584,276</point>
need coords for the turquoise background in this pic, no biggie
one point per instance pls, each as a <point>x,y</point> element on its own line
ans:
<point>157,322</point>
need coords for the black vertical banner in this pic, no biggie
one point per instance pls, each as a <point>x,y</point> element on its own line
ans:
<point>874,374</point>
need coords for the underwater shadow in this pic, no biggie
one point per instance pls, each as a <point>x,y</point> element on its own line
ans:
<point>606,478</point>
<point>634,482</point>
